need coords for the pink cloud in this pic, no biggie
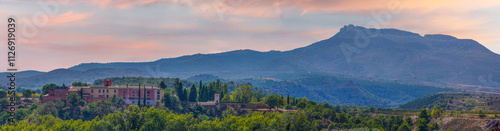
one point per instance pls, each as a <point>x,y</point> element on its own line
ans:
<point>68,17</point>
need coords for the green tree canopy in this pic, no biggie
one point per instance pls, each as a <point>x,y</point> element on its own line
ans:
<point>273,101</point>
<point>243,94</point>
<point>3,94</point>
<point>27,93</point>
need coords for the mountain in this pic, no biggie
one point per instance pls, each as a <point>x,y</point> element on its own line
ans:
<point>354,52</point>
<point>399,55</point>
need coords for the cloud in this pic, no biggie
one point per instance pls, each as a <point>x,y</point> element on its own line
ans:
<point>68,17</point>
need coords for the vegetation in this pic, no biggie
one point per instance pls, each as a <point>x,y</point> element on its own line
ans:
<point>456,101</point>
<point>346,91</point>
<point>175,113</point>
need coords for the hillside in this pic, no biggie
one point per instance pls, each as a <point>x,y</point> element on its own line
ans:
<point>60,76</point>
<point>346,91</point>
<point>458,101</point>
<point>23,74</point>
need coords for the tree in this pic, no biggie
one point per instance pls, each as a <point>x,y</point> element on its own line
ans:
<point>226,98</point>
<point>184,94</point>
<point>404,127</point>
<point>79,84</point>
<point>178,88</point>
<point>273,100</point>
<point>287,98</point>
<point>4,103</point>
<point>423,114</point>
<point>434,127</point>
<point>422,125</point>
<point>481,113</point>
<point>200,93</point>
<point>299,122</point>
<point>229,111</point>
<point>301,105</point>
<point>163,85</point>
<point>166,99</point>
<point>372,110</point>
<point>45,88</point>
<point>3,94</point>
<point>27,93</point>
<point>139,96</point>
<point>226,91</point>
<point>192,94</point>
<point>144,96</point>
<point>409,121</point>
<point>74,99</point>
<point>243,94</point>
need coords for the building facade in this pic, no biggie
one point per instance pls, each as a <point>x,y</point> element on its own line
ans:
<point>130,94</point>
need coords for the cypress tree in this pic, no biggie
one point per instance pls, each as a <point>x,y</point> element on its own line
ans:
<point>221,95</point>
<point>192,94</point>
<point>288,99</point>
<point>200,93</point>
<point>211,92</point>
<point>144,96</point>
<point>163,85</point>
<point>139,96</point>
<point>184,94</point>
<point>226,91</point>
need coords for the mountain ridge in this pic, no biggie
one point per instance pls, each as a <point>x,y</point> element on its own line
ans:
<point>389,54</point>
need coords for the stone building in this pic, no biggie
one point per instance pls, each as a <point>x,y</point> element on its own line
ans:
<point>95,93</point>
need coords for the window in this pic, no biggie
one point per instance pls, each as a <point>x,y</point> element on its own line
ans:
<point>124,91</point>
<point>133,96</point>
<point>91,91</point>
<point>158,97</point>
<point>107,96</point>
<point>99,91</point>
<point>148,91</point>
<point>92,96</point>
<point>123,97</point>
<point>60,92</point>
<point>115,91</point>
<point>133,91</point>
<point>157,92</point>
<point>107,91</point>
<point>149,97</point>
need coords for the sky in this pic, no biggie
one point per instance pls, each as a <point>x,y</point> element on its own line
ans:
<point>52,34</point>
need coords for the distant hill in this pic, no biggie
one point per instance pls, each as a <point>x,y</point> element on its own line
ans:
<point>23,74</point>
<point>67,76</point>
<point>467,101</point>
<point>203,77</point>
<point>346,91</point>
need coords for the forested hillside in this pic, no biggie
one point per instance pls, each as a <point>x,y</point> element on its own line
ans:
<point>346,91</point>
<point>458,101</point>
